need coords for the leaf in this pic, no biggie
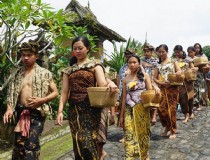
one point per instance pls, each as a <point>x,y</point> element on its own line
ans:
<point>44,13</point>
<point>39,2</point>
<point>27,24</point>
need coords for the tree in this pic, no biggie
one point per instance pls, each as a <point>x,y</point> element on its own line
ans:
<point>21,20</point>
<point>116,60</point>
<point>206,51</point>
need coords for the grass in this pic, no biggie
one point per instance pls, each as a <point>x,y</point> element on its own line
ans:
<point>56,148</point>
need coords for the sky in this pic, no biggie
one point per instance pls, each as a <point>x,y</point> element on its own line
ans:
<point>170,22</point>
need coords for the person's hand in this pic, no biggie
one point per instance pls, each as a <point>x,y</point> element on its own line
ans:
<point>8,116</point>
<point>178,73</point>
<point>113,88</point>
<point>157,91</point>
<point>34,102</point>
<point>59,119</point>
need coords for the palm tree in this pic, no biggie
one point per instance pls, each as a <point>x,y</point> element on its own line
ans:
<point>116,60</point>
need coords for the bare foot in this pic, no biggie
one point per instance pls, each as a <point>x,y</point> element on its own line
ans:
<point>192,116</point>
<point>164,134</point>
<point>186,119</point>
<point>199,109</point>
<point>122,140</point>
<point>172,136</point>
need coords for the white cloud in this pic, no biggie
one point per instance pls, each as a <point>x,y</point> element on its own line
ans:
<point>171,22</point>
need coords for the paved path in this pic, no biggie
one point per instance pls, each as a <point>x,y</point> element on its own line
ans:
<point>192,142</point>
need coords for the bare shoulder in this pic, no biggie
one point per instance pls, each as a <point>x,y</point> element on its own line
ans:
<point>125,79</point>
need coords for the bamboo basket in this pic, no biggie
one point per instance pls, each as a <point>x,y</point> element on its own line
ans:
<point>150,99</point>
<point>200,61</point>
<point>100,97</point>
<point>190,75</point>
<point>205,69</point>
<point>175,80</point>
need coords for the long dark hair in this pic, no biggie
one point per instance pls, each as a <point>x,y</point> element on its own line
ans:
<point>201,50</point>
<point>180,48</point>
<point>166,49</point>
<point>86,43</point>
<point>140,74</point>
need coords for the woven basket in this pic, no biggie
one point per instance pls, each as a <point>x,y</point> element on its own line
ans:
<point>150,99</point>
<point>100,97</point>
<point>205,69</point>
<point>190,75</point>
<point>200,61</point>
<point>175,80</point>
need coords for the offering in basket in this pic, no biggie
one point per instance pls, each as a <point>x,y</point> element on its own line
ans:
<point>200,61</point>
<point>150,99</point>
<point>176,79</point>
<point>205,69</point>
<point>100,97</point>
<point>190,75</point>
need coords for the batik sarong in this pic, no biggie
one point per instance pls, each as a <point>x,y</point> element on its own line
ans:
<point>137,132</point>
<point>168,107</point>
<point>28,148</point>
<point>186,96</point>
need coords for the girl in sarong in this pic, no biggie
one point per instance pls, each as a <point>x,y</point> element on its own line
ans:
<point>170,93</point>
<point>137,118</point>
<point>199,84</point>
<point>186,91</point>
<point>150,63</point>
<point>84,120</point>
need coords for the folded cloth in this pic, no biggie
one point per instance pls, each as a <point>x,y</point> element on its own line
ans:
<point>23,124</point>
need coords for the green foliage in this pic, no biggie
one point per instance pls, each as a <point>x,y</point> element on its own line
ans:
<point>116,60</point>
<point>206,51</point>
<point>21,20</point>
<point>134,44</point>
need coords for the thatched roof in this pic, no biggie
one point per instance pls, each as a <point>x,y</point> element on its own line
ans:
<point>80,16</point>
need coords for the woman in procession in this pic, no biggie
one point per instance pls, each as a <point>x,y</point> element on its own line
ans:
<point>136,117</point>
<point>170,96</point>
<point>149,64</point>
<point>84,120</point>
<point>186,91</point>
<point>200,82</point>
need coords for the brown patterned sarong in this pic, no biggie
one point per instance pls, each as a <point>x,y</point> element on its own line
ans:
<point>102,132</point>
<point>137,132</point>
<point>186,96</point>
<point>84,123</point>
<point>168,107</point>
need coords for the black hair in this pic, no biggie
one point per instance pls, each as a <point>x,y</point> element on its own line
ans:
<point>201,50</point>
<point>180,48</point>
<point>156,49</point>
<point>191,48</point>
<point>86,43</point>
<point>163,46</point>
<point>140,74</point>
